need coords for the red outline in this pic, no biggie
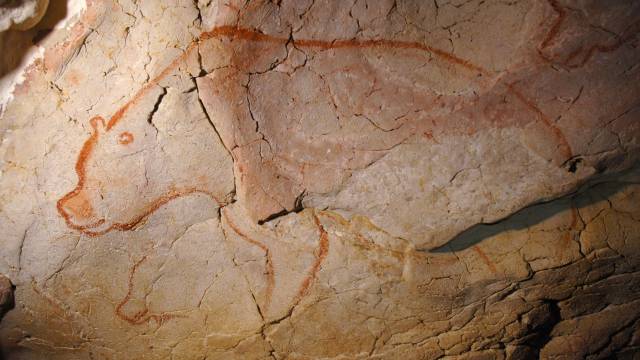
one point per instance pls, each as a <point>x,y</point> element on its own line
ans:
<point>125,138</point>
<point>567,152</point>
<point>234,32</point>
<point>590,52</point>
<point>320,254</point>
<point>270,270</point>
<point>143,316</point>
<point>485,258</point>
<point>323,241</point>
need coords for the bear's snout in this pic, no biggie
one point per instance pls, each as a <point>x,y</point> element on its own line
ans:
<point>77,210</point>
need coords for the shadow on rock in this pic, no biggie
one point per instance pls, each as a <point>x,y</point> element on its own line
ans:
<point>15,44</point>
<point>7,301</point>
<point>537,213</point>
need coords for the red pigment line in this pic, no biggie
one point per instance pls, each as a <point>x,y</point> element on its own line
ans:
<point>574,217</point>
<point>125,138</point>
<point>158,203</point>
<point>371,246</point>
<point>574,54</point>
<point>270,270</point>
<point>555,29</point>
<point>368,244</point>
<point>321,254</point>
<point>80,169</point>
<point>485,258</point>
<point>572,226</point>
<point>599,48</point>
<point>127,297</point>
<point>247,34</point>
<point>83,157</point>
<point>561,138</point>
<point>231,32</point>
<point>51,301</point>
<point>140,317</point>
<point>429,135</point>
<point>389,44</point>
<point>234,32</point>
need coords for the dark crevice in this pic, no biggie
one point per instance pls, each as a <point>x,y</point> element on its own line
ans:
<point>297,207</point>
<point>206,114</point>
<point>199,16</point>
<point>542,321</point>
<point>215,130</point>
<point>572,165</point>
<point>283,212</point>
<point>609,346</point>
<point>156,106</point>
<point>7,297</point>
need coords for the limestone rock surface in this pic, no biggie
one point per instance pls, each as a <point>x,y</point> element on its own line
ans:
<point>21,14</point>
<point>6,295</point>
<point>325,179</point>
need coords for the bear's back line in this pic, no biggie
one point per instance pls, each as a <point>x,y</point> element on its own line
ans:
<point>235,32</point>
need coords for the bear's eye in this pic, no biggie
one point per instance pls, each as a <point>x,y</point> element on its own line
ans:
<point>125,138</point>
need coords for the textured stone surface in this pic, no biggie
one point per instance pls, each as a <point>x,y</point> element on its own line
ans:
<point>21,14</point>
<point>326,179</point>
<point>6,295</point>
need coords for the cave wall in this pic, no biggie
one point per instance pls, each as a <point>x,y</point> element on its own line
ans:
<point>321,179</point>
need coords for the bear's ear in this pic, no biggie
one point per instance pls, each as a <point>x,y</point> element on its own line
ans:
<point>97,123</point>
